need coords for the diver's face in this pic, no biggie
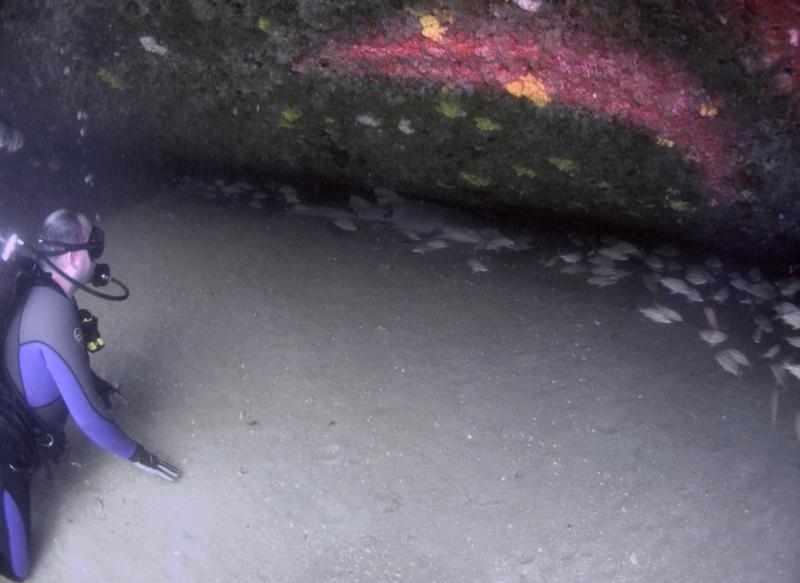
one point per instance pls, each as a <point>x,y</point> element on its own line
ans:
<point>81,264</point>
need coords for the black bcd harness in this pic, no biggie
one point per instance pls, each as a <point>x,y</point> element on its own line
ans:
<point>25,442</point>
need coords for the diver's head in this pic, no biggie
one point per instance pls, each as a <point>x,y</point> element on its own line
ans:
<point>71,243</point>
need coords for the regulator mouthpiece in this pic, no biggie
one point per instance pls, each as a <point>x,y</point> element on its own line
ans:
<point>102,275</point>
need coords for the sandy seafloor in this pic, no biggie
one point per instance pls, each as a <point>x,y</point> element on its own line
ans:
<point>346,410</point>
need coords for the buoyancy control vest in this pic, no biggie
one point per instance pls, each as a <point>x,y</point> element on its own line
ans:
<point>25,442</point>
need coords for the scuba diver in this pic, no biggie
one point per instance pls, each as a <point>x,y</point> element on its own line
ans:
<point>47,341</point>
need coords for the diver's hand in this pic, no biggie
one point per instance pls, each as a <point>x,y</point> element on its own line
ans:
<point>104,390</point>
<point>146,461</point>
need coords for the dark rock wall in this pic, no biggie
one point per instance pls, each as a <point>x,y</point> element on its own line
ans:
<point>676,116</point>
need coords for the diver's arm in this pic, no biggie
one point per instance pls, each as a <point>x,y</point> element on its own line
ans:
<point>51,322</point>
<point>85,407</point>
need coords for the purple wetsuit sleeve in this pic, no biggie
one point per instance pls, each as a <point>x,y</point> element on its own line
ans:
<point>100,429</point>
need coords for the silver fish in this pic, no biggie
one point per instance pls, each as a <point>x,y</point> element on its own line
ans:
<point>236,188</point>
<point>763,323</point>
<point>772,352</point>
<point>655,315</point>
<point>437,244</point>
<point>675,285</point>
<point>345,224</point>
<point>477,266</point>
<point>613,254</point>
<point>572,257</point>
<point>792,369</point>
<point>661,314</point>
<point>610,272</point>
<point>603,270</point>
<point>785,308</point>
<point>791,319</point>
<point>601,260</point>
<point>411,234</point>
<point>731,360</point>
<point>666,251</point>
<point>430,246</point>
<point>601,280</point>
<point>721,295</point>
<point>713,337</point>
<point>367,211</point>
<point>762,290</point>
<point>674,266</point>
<point>740,284</point>
<point>789,287</point>
<point>713,262</point>
<point>520,246</point>
<point>357,202</point>
<point>694,296</point>
<point>387,197</point>
<point>289,193</point>
<point>793,340</point>
<point>697,275</point>
<point>460,234</point>
<point>779,373</point>
<point>650,281</point>
<point>626,248</point>
<point>654,262</point>
<point>574,269</point>
<point>499,242</point>
<point>11,140</point>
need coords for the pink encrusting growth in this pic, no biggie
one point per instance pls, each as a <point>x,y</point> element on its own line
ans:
<point>648,92</point>
<point>774,26</point>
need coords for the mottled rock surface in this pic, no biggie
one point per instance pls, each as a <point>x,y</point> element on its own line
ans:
<point>676,117</point>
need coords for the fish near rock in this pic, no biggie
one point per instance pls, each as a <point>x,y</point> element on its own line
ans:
<point>731,361</point>
<point>661,314</point>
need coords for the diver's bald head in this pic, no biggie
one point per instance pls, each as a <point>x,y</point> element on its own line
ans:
<point>66,226</point>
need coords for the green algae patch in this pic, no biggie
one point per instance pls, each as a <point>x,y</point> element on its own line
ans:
<point>450,109</point>
<point>565,165</point>
<point>289,116</point>
<point>109,78</point>
<point>524,171</point>
<point>486,125</point>
<point>681,206</point>
<point>474,179</point>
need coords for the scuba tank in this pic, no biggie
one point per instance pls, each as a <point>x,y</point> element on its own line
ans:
<point>25,442</point>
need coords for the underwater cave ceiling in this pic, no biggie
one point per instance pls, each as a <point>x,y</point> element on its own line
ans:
<point>659,115</point>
